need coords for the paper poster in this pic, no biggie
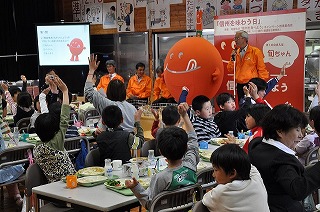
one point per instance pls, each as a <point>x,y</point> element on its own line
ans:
<point>158,14</point>
<point>76,15</point>
<point>280,35</point>
<point>125,15</point>
<point>227,7</point>
<point>313,9</point>
<point>140,3</point>
<point>190,15</point>
<point>275,5</point>
<point>256,6</point>
<point>109,15</point>
<point>93,13</point>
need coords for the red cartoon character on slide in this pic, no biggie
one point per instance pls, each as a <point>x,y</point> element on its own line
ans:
<point>76,47</point>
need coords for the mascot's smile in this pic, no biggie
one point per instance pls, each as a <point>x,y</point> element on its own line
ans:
<point>192,66</point>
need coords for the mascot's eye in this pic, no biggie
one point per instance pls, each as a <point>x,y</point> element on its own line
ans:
<point>171,55</point>
<point>78,46</point>
<point>180,55</point>
<point>223,44</point>
<point>233,44</point>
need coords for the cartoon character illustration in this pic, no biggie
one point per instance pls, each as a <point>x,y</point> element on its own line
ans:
<point>163,17</point>
<point>76,47</point>
<point>237,5</point>
<point>279,5</point>
<point>225,5</point>
<point>200,68</point>
<point>152,17</point>
<point>128,11</point>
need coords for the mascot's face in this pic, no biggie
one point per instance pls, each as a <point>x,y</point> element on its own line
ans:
<point>193,62</point>
<point>76,46</point>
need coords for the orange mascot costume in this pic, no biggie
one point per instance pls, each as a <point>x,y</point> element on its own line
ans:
<point>196,63</point>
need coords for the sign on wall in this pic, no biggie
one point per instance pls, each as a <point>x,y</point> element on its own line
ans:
<point>281,37</point>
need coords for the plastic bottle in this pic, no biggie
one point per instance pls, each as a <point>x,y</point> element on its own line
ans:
<point>151,158</point>
<point>16,135</point>
<point>135,170</point>
<point>107,168</point>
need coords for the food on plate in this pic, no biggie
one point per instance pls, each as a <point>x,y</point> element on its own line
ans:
<point>90,171</point>
<point>201,165</point>
<point>117,184</point>
<point>144,183</point>
<point>84,130</point>
<point>222,141</point>
<point>91,179</point>
<point>138,159</point>
<point>205,155</point>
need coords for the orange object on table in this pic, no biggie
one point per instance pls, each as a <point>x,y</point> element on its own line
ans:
<point>71,181</point>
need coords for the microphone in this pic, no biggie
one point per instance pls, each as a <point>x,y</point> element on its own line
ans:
<point>233,54</point>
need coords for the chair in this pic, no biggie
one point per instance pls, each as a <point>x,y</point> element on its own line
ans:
<point>137,102</point>
<point>206,180</point>
<point>200,207</point>
<point>312,156</point>
<point>149,145</point>
<point>181,199</point>
<point>14,156</point>
<point>73,145</point>
<point>93,158</point>
<point>35,177</point>
<point>90,121</point>
<point>23,124</point>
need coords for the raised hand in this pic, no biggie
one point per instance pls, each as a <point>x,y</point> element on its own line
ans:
<point>93,63</point>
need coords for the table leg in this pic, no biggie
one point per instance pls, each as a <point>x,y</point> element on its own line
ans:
<point>36,202</point>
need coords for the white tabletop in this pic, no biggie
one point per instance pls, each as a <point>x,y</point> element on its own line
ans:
<point>96,197</point>
<point>21,143</point>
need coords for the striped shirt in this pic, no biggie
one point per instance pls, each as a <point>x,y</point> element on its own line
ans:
<point>206,129</point>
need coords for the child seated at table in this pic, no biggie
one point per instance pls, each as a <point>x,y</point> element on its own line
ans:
<point>230,119</point>
<point>50,153</point>
<point>116,143</point>
<point>240,186</point>
<point>181,151</point>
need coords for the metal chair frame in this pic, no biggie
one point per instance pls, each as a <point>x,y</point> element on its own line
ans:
<point>181,199</point>
<point>23,124</point>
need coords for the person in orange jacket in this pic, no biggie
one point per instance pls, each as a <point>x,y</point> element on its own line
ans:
<point>139,85</point>
<point>161,94</point>
<point>248,62</point>
<point>110,75</point>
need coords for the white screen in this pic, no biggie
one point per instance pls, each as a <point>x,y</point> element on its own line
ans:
<point>61,44</point>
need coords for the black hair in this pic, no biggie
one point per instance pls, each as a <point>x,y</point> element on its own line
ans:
<point>24,99</point>
<point>172,142</point>
<point>223,98</point>
<point>258,112</point>
<point>46,126</point>
<point>14,90</point>
<point>140,65</point>
<point>113,8</point>
<point>55,108</point>
<point>198,101</point>
<point>224,1</point>
<point>282,117</point>
<point>159,69</point>
<point>230,157</point>
<point>260,83</point>
<point>131,8</point>
<point>36,99</point>
<point>170,115</point>
<point>314,116</point>
<point>116,90</point>
<point>112,116</point>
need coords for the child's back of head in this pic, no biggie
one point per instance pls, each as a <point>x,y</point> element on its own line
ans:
<point>315,117</point>
<point>170,115</point>
<point>46,126</point>
<point>224,98</point>
<point>231,158</point>
<point>112,116</point>
<point>24,99</point>
<point>172,143</point>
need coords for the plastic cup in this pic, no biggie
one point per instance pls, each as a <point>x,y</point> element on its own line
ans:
<point>71,181</point>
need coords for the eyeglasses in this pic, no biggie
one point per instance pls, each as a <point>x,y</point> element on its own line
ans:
<point>237,38</point>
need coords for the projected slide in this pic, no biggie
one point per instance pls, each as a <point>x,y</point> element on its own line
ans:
<point>63,44</point>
